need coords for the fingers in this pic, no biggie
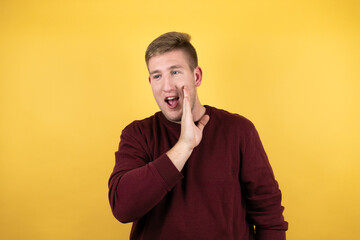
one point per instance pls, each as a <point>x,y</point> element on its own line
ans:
<point>186,96</point>
<point>186,104</point>
<point>187,114</point>
<point>185,92</point>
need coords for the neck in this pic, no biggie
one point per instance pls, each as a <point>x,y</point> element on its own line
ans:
<point>198,111</point>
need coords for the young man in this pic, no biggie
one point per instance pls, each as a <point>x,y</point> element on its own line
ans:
<point>192,171</point>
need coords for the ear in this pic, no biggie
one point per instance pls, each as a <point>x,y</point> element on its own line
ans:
<point>198,76</point>
<point>149,79</point>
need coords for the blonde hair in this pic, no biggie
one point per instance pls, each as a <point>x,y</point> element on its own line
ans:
<point>172,41</point>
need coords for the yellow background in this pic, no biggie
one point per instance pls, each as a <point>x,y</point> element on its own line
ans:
<point>73,76</point>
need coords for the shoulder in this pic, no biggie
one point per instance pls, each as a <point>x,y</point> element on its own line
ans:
<point>228,119</point>
<point>140,127</point>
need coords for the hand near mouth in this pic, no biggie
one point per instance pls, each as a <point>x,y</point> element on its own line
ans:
<point>190,136</point>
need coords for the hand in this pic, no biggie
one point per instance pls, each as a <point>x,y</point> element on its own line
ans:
<point>191,134</point>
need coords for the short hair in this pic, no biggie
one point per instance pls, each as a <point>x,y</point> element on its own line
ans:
<point>172,41</point>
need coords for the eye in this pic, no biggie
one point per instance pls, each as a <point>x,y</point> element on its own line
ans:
<point>155,77</point>
<point>175,72</point>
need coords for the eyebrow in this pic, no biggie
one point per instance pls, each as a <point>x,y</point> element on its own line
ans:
<point>175,66</point>
<point>171,67</point>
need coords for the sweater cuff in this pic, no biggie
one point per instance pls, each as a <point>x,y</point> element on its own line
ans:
<point>167,170</point>
<point>270,234</point>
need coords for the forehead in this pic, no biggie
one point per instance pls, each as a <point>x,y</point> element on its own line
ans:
<point>165,60</point>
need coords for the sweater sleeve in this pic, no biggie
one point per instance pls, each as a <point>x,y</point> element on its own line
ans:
<point>137,184</point>
<point>262,193</point>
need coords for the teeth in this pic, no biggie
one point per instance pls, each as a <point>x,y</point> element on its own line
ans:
<point>170,98</point>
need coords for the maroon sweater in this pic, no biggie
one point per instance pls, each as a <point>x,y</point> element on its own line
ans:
<point>225,189</point>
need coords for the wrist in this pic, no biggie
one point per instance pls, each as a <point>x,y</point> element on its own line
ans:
<point>179,154</point>
<point>183,146</point>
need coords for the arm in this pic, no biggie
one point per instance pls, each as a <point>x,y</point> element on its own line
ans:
<point>263,196</point>
<point>190,136</point>
<point>135,186</point>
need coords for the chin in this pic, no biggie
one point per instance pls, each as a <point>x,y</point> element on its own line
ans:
<point>173,117</point>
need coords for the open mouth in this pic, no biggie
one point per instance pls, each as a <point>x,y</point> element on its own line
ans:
<point>172,102</point>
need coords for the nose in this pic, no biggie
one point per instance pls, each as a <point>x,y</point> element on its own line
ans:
<point>168,84</point>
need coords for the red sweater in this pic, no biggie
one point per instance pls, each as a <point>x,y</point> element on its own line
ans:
<point>225,189</point>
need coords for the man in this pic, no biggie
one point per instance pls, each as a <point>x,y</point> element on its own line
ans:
<point>192,171</point>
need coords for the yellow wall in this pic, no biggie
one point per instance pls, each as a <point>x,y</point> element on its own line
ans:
<point>72,76</point>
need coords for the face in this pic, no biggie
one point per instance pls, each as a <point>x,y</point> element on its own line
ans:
<point>169,73</point>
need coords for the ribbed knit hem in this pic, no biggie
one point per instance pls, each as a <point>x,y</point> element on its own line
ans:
<point>167,171</point>
<point>270,235</point>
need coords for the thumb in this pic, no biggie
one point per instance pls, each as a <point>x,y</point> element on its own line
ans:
<point>203,121</point>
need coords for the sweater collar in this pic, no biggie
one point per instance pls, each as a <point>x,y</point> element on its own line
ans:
<point>174,125</point>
